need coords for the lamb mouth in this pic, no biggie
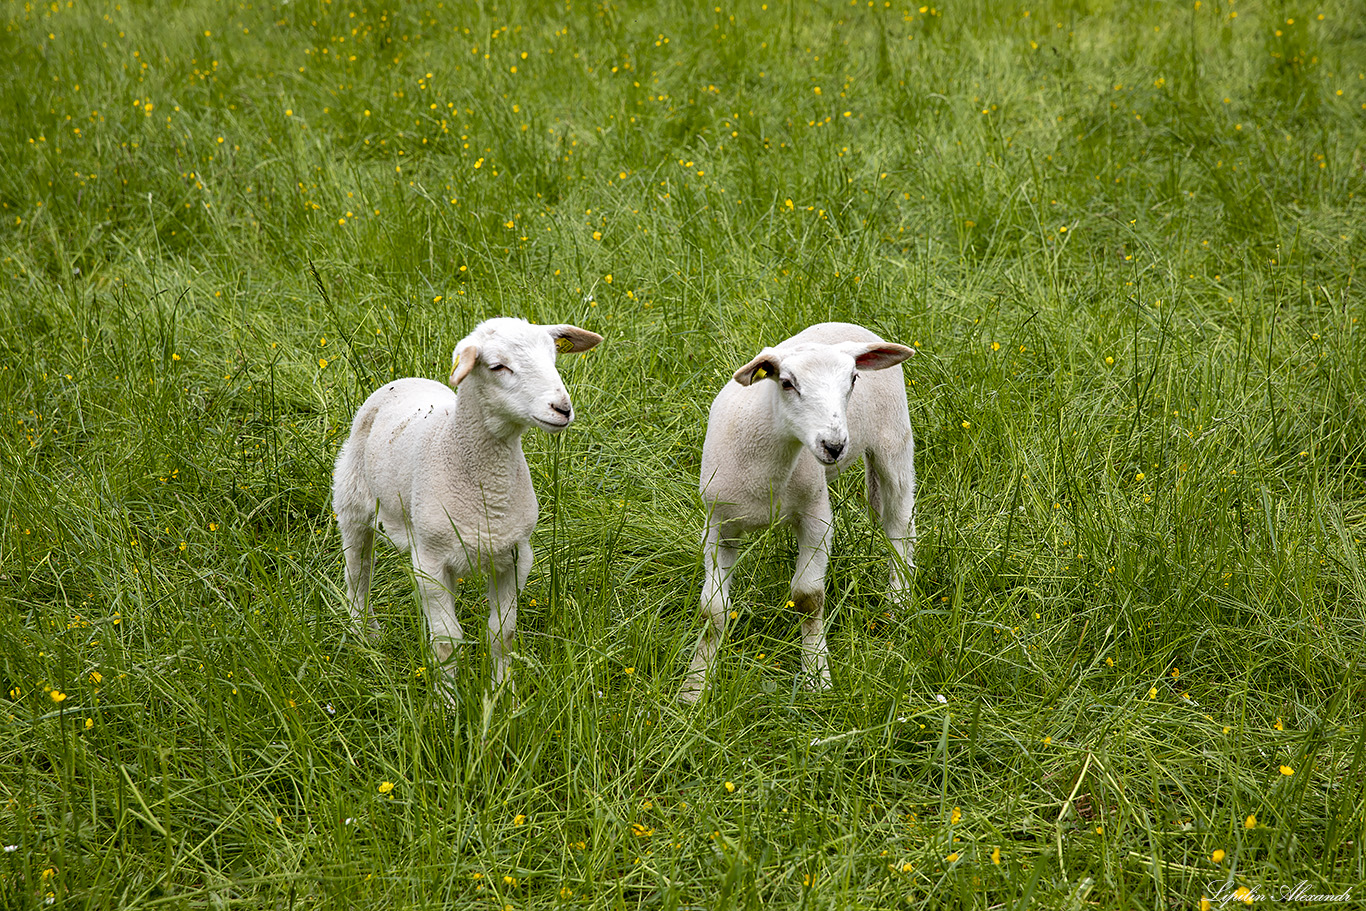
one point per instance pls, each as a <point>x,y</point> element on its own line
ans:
<point>555,426</point>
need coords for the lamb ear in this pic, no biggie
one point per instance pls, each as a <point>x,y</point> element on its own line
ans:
<point>463,363</point>
<point>765,364</point>
<point>880,355</point>
<point>569,339</point>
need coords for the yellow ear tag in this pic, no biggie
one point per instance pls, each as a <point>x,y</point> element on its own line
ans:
<point>564,344</point>
<point>760,373</point>
<point>455,363</point>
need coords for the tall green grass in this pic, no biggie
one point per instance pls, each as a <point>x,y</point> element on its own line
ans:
<point>1123,237</point>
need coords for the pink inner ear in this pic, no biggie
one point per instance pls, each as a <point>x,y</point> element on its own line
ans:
<point>882,356</point>
<point>569,339</point>
<point>464,363</point>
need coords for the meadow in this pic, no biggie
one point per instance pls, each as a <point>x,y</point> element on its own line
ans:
<point>1123,238</point>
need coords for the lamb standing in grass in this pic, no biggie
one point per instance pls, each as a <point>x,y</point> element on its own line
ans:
<point>443,476</point>
<point>770,451</point>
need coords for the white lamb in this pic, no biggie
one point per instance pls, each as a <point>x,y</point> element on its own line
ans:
<point>443,476</point>
<point>770,451</point>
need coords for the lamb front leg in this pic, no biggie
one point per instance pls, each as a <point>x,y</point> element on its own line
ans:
<point>437,595</point>
<point>814,530</point>
<point>718,559</point>
<point>506,579</point>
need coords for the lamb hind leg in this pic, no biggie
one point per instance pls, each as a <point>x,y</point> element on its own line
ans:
<point>892,497</point>
<point>358,546</point>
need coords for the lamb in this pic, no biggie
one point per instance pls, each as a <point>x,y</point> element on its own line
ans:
<point>771,449</point>
<point>443,476</point>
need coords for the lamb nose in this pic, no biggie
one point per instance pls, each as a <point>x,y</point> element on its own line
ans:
<point>833,450</point>
<point>562,408</point>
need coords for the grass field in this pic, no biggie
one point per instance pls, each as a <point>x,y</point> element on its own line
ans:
<point>1124,237</point>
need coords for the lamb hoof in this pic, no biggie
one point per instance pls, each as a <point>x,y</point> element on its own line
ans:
<point>813,683</point>
<point>367,633</point>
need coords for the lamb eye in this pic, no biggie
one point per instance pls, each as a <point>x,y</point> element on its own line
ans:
<point>500,368</point>
<point>852,380</point>
<point>788,384</point>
